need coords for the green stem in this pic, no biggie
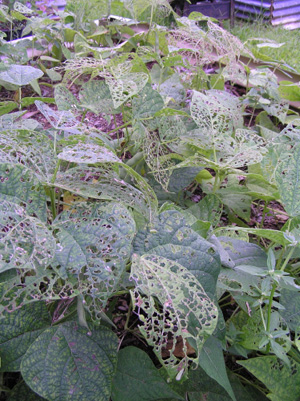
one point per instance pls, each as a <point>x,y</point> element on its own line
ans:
<point>52,191</point>
<point>81,313</point>
<point>118,128</point>
<point>264,215</point>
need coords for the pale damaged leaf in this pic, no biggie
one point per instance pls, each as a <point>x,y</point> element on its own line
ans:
<point>63,119</point>
<point>88,153</point>
<point>177,310</point>
<point>25,242</point>
<point>95,96</point>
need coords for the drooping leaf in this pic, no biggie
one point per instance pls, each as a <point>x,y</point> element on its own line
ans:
<point>19,186</point>
<point>184,314</point>
<point>25,242</point>
<point>137,379</point>
<point>18,330</point>
<point>67,363</point>
<point>20,75</point>
<point>94,246</point>
<point>31,149</point>
<point>282,381</point>
<point>287,178</point>
<point>212,362</point>
<point>173,239</point>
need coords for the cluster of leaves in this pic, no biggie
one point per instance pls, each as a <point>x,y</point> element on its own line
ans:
<point>88,216</point>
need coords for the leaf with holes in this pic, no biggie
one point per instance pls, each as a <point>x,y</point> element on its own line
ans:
<point>25,242</point>
<point>31,149</point>
<point>177,310</point>
<point>67,363</point>
<point>88,153</point>
<point>64,99</point>
<point>95,96</point>
<point>287,178</point>
<point>282,381</point>
<point>175,240</point>
<point>19,186</point>
<point>94,247</point>
<point>63,119</point>
<point>18,330</point>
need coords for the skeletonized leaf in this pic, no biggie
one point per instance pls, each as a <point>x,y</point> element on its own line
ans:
<point>63,119</point>
<point>66,363</point>
<point>33,150</point>
<point>18,330</point>
<point>25,242</point>
<point>184,313</point>
<point>88,153</point>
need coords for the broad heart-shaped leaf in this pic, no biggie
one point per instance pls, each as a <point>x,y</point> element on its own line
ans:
<point>147,103</point>
<point>94,246</point>
<point>31,149</point>
<point>291,314</point>
<point>173,239</point>
<point>283,382</point>
<point>22,392</point>
<point>137,379</point>
<point>177,310</point>
<point>104,182</point>
<point>18,330</point>
<point>20,186</point>
<point>88,153</point>
<point>95,96</point>
<point>66,363</point>
<point>20,74</point>
<point>25,242</point>
<point>212,362</point>
<point>63,119</point>
<point>287,178</point>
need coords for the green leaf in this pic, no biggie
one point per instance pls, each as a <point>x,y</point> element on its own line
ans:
<point>175,240</point>
<point>291,314</point>
<point>18,330</point>
<point>19,186</point>
<point>212,362</point>
<point>137,379</point>
<point>287,177</point>
<point>63,119</point>
<point>95,96</point>
<point>22,392</point>
<point>64,99</point>
<point>20,74</point>
<point>288,90</point>
<point>88,153</point>
<point>25,242</point>
<point>283,382</point>
<point>7,107</point>
<point>94,246</point>
<point>184,314</point>
<point>147,103</point>
<point>66,363</point>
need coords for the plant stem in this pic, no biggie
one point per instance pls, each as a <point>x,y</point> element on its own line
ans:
<point>118,128</point>
<point>52,191</point>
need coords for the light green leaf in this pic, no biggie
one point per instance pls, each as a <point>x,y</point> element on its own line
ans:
<point>20,75</point>
<point>25,242</point>
<point>64,99</point>
<point>289,90</point>
<point>184,308</point>
<point>95,96</point>
<point>63,119</point>
<point>137,379</point>
<point>88,153</point>
<point>67,363</point>
<point>287,178</point>
<point>283,382</point>
<point>18,330</point>
<point>19,186</point>
<point>212,362</point>
<point>175,240</point>
<point>273,235</point>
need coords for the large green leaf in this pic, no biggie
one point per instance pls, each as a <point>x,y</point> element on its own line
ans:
<point>291,314</point>
<point>33,150</point>
<point>173,239</point>
<point>20,74</point>
<point>19,186</point>
<point>25,242</point>
<point>137,379</point>
<point>147,103</point>
<point>95,96</point>
<point>177,310</point>
<point>212,362</point>
<point>18,330</point>
<point>104,182</point>
<point>287,177</point>
<point>67,363</point>
<point>94,246</point>
<point>282,381</point>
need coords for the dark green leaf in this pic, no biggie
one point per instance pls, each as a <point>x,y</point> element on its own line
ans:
<point>291,314</point>
<point>22,392</point>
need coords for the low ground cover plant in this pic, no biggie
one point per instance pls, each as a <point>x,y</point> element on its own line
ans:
<point>157,257</point>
